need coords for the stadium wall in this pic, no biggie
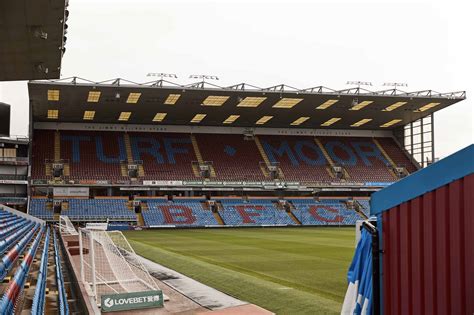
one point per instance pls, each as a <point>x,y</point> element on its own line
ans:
<point>427,224</point>
<point>212,130</point>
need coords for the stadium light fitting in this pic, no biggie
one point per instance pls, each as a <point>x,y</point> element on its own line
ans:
<point>330,121</point>
<point>361,122</point>
<point>426,107</point>
<point>263,120</point>
<point>287,102</point>
<point>159,117</point>
<point>393,106</point>
<point>53,95</point>
<point>133,98</point>
<point>204,77</point>
<point>299,121</point>
<point>124,116</point>
<point>231,119</point>
<point>53,113</point>
<point>214,100</point>
<point>172,99</point>
<point>361,105</point>
<point>162,75</point>
<point>359,83</point>
<point>93,97</point>
<point>89,115</point>
<point>391,123</point>
<point>327,104</point>
<point>198,118</point>
<point>395,84</point>
<point>251,101</point>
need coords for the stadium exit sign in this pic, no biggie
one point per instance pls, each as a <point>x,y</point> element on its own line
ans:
<point>131,301</point>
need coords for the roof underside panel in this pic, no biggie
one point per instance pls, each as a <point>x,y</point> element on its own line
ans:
<point>285,108</point>
<point>31,39</point>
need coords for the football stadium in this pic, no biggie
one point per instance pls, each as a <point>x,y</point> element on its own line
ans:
<point>163,197</point>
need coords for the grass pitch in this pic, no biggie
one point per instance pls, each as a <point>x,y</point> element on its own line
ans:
<point>285,270</point>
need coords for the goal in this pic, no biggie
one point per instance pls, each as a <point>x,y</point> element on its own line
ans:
<point>65,226</point>
<point>109,264</point>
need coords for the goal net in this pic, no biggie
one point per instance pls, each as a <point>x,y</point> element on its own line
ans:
<point>109,265</point>
<point>65,226</point>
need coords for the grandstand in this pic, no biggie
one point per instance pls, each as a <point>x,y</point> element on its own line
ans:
<point>168,155</point>
<point>24,248</point>
<point>177,156</point>
<point>162,155</point>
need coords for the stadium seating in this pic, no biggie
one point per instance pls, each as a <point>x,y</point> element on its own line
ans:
<point>165,156</point>
<point>365,206</point>
<point>91,209</point>
<point>42,149</point>
<point>300,158</point>
<point>325,212</point>
<point>178,213</point>
<point>21,240</point>
<point>233,158</point>
<point>39,209</point>
<point>93,155</point>
<point>8,301</point>
<point>396,154</point>
<point>253,212</point>
<point>9,258</point>
<point>39,298</point>
<point>10,240</point>
<point>96,156</point>
<point>86,209</point>
<point>189,212</point>
<point>360,157</point>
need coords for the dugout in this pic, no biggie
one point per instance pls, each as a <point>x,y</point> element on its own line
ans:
<point>426,230</point>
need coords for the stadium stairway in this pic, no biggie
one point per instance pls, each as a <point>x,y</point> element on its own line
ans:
<point>123,170</point>
<point>128,147</point>
<point>198,154</point>
<point>140,220</point>
<point>57,146</point>
<point>217,215</point>
<point>266,160</point>
<point>290,210</point>
<point>359,209</point>
<point>326,156</point>
<point>387,157</point>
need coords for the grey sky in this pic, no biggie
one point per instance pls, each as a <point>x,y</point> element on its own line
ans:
<point>426,44</point>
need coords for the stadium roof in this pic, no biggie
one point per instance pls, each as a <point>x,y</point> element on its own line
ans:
<point>241,105</point>
<point>31,39</point>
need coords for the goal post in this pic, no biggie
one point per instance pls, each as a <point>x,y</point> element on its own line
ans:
<point>109,265</point>
<point>65,226</point>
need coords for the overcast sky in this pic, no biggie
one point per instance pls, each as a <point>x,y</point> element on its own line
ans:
<point>426,44</point>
